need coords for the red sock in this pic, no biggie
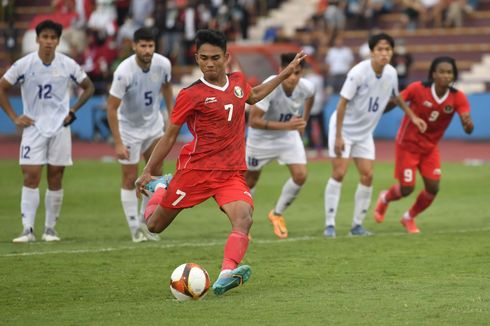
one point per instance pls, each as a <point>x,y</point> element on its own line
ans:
<point>235,249</point>
<point>393,193</point>
<point>424,199</point>
<point>154,202</point>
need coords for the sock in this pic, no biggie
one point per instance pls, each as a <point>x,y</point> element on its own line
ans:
<point>289,192</point>
<point>130,206</point>
<point>28,206</point>
<point>393,193</point>
<point>143,204</point>
<point>153,202</point>
<point>332,197</point>
<point>424,199</point>
<point>362,202</point>
<point>52,201</point>
<point>235,249</point>
<point>406,216</point>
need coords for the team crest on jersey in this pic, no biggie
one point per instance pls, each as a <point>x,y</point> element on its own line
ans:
<point>448,109</point>
<point>154,77</point>
<point>56,73</point>
<point>238,91</point>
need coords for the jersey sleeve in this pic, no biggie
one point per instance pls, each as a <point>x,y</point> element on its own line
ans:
<point>462,104</point>
<point>351,83</point>
<point>309,88</point>
<point>407,93</point>
<point>167,71</point>
<point>119,85</point>
<point>14,74</point>
<point>76,72</point>
<point>184,106</point>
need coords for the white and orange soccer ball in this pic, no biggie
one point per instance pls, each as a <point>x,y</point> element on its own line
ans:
<point>189,281</point>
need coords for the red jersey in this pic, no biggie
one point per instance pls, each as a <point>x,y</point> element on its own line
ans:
<point>436,112</point>
<point>216,118</point>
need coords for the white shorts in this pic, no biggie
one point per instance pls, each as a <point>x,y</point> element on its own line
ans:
<point>285,151</point>
<point>137,147</point>
<point>36,149</point>
<point>359,149</point>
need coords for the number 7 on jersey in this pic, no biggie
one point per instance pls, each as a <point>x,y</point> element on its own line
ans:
<point>229,108</point>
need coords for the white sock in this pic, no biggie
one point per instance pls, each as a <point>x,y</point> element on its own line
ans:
<point>28,206</point>
<point>223,272</point>
<point>52,202</point>
<point>331,198</point>
<point>289,192</point>
<point>144,202</point>
<point>362,201</point>
<point>130,206</point>
<point>406,216</point>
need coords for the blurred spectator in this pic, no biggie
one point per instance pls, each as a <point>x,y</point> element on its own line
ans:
<point>7,10</point>
<point>10,40</point>
<point>142,12</point>
<point>104,18</point>
<point>455,13</point>
<point>126,30</point>
<point>402,61</point>
<point>317,119</point>
<point>172,34</point>
<point>339,60</point>
<point>122,10</point>
<point>335,16</point>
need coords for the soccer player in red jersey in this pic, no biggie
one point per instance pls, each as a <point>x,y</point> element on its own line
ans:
<point>434,101</point>
<point>213,163</point>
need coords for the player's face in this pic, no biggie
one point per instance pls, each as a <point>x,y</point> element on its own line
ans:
<point>382,53</point>
<point>144,50</point>
<point>443,75</point>
<point>212,61</point>
<point>290,83</point>
<point>47,40</point>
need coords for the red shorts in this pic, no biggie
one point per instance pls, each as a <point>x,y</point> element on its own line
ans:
<point>407,163</point>
<point>191,187</point>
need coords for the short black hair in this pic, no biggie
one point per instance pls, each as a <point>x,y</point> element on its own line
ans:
<point>437,61</point>
<point>145,34</point>
<point>286,59</point>
<point>376,38</point>
<point>49,24</point>
<point>210,36</point>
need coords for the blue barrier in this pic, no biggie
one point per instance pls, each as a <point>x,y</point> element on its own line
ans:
<point>89,122</point>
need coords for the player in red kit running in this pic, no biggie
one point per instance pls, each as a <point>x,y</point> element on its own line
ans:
<point>213,163</point>
<point>434,101</point>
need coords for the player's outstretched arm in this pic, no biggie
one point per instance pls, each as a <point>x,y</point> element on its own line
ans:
<point>20,121</point>
<point>262,90</point>
<point>421,124</point>
<point>159,153</point>
<point>467,122</point>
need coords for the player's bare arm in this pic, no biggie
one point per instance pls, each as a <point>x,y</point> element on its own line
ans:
<point>306,113</point>
<point>160,152</point>
<point>467,122</point>
<point>257,121</point>
<point>113,103</point>
<point>88,90</point>
<point>262,90</point>
<point>21,120</point>
<point>339,140</point>
<point>168,97</point>
<point>421,124</point>
<point>390,106</point>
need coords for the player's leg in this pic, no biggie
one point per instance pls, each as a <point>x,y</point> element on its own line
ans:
<point>332,194</point>
<point>406,164</point>
<point>252,177</point>
<point>33,149</point>
<point>53,201</point>
<point>238,206</point>
<point>362,197</point>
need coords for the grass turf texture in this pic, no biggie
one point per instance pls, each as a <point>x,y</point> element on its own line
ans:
<point>95,275</point>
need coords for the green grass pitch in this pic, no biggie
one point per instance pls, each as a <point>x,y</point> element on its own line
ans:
<point>97,276</point>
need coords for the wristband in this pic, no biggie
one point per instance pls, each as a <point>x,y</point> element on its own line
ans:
<point>73,117</point>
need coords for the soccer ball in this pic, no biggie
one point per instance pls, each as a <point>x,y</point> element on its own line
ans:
<point>189,281</point>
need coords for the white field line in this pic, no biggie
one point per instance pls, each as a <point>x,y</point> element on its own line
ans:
<point>217,243</point>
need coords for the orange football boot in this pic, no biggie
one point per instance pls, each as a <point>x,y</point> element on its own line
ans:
<point>279,225</point>
<point>381,207</point>
<point>410,225</point>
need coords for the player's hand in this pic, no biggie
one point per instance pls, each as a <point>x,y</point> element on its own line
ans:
<point>23,121</point>
<point>339,146</point>
<point>69,119</point>
<point>122,152</point>
<point>468,125</point>
<point>421,124</point>
<point>300,56</point>
<point>141,182</point>
<point>297,123</point>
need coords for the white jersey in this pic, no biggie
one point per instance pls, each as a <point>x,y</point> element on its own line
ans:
<point>368,95</point>
<point>139,92</point>
<point>280,107</point>
<point>45,89</point>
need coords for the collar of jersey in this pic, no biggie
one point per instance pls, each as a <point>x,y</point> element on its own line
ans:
<point>223,88</point>
<point>434,94</point>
